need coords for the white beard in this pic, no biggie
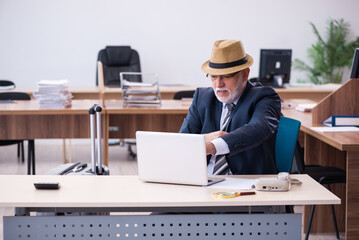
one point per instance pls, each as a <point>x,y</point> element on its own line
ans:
<point>232,95</point>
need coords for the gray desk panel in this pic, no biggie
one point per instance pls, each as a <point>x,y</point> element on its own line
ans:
<point>166,226</point>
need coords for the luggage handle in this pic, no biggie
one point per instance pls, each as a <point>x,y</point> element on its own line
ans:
<point>96,109</point>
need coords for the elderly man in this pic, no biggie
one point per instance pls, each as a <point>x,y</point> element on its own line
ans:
<point>238,118</point>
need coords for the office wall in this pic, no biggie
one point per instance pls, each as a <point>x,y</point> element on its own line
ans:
<point>49,39</point>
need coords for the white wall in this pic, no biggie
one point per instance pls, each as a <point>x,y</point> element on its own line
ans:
<point>49,39</point>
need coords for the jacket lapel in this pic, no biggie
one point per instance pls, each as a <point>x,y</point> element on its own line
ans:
<point>237,106</point>
<point>217,114</point>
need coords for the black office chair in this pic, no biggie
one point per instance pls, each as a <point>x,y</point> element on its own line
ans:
<point>10,96</point>
<point>7,85</point>
<point>323,175</point>
<point>116,59</point>
<point>253,80</point>
<point>183,94</point>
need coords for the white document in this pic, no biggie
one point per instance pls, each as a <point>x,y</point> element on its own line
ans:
<point>328,86</point>
<point>305,107</point>
<point>235,184</point>
<point>335,129</point>
<point>62,82</point>
<point>137,84</point>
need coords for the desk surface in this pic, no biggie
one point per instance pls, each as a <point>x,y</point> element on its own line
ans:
<point>32,107</point>
<point>168,91</point>
<point>340,140</point>
<point>130,192</point>
<point>82,106</point>
<point>166,107</point>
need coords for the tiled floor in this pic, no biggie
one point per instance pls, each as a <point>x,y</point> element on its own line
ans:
<point>49,155</point>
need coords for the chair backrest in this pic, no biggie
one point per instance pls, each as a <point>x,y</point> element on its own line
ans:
<point>6,84</point>
<point>14,96</point>
<point>183,94</point>
<point>116,59</point>
<point>286,140</point>
<point>298,162</point>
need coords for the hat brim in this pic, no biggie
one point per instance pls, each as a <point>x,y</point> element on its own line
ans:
<point>220,71</point>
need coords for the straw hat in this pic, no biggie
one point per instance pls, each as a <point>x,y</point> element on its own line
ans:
<point>228,56</point>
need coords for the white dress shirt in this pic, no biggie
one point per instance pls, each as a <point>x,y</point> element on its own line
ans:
<point>220,145</point>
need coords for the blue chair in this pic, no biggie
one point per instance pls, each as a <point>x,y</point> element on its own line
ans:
<point>286,140</point>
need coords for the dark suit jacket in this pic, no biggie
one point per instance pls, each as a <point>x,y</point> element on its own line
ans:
<point>252,127</point>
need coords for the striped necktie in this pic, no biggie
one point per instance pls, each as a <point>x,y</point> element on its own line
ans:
<point>221,166</point>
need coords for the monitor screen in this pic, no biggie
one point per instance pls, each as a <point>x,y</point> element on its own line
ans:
<point>355,65</point>
<point>274,68</point>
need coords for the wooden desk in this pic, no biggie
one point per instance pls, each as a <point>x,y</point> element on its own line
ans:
<point>129,194</point>
<point>123,122</point>
<point>19,192</point>
<point>168,117</point>
<point>167,92</point>
<point>339,149</point>
<point>25,120</point>
<point>311,93</point>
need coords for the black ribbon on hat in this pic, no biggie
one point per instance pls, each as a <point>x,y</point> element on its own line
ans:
<point>228,65</point>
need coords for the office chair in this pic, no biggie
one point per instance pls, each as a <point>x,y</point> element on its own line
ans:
<point>9,96</point>
<point>323,175</point>
<point>116,59</point>
<point>183,94</point>
<point>253,80</point>
<point>286,138</point>
<point>6,85</point>
<point>285,145</point>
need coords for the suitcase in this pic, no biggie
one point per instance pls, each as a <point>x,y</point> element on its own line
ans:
<point>83,168</point>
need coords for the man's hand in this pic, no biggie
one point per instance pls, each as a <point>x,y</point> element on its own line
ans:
<point>210,149</point>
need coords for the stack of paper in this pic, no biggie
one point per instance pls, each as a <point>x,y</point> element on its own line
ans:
<point>140,93</point>
<point>53,94</point>
<point>305,107</point>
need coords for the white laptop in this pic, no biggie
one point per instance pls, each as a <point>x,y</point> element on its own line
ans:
<point>172,158</point>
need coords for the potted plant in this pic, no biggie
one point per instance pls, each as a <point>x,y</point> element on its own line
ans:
<point>329,56</point>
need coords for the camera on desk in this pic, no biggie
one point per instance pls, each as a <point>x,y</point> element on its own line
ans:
<point>280,183</point>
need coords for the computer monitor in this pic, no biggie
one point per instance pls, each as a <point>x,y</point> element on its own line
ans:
<point>274,68</point>
<point>355,65</point>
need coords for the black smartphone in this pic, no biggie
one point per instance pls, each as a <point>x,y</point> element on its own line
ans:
<point>47,185</point>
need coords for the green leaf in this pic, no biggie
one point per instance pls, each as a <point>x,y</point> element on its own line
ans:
<point>330,55</point>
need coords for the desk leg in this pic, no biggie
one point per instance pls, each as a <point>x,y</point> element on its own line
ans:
<point>63,151</point>
<point>105,133</point>
<point>70,151</point>
<point>31,157</point>
<point>352,188</point>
